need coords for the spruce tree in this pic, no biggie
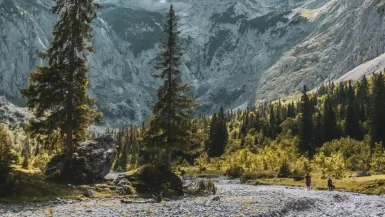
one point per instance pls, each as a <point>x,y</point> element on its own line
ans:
<point>306,125</point>
<point>331,130</point>
<point>170,128</point>
<point>218,135</point>
<point>6,157</point>
<point>352,122</point>
<point>318,131</point>
<point>272,123</point>
<point>378,111</point>
<point>211,140</point>
<point>57,93</point>
<point>363,98</point>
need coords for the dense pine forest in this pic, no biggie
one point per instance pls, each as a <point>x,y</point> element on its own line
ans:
<point>331,131</point>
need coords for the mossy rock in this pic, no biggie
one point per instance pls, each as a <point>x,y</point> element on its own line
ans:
<point>155,178</point>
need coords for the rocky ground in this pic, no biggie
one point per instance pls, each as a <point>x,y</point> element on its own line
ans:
<point>234,200</point>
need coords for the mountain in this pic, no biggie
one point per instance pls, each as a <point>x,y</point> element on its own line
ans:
<point>237,51</point>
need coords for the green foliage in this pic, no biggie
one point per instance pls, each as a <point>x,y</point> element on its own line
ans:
<point>356,154</point>
<point>306,125</point>
<point>333,166</point>
<point>41,161</point>
<point>248,176</point>
<point>171,128</point>
<point>284,170</point>
<point>378,159</point>
<point>218,135</point>
<point>201,187</point>
<point>57,93</point>
<point>234,172</point>
<point>7,157</point>
<point>154,179</point>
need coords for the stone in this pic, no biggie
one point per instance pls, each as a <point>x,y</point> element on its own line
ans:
<point>88,193</point>
<point>363,173</point>
<point>91,162</point>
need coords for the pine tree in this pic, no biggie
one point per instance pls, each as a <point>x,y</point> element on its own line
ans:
<point>352,122</point>
<point>26,153</point>
<point>57,93</point>
<point>126,148</point>
<point>6,157</point>
<point>378,111</point>
<point>218,135</point>
<point>272,123</point>
<point>318,131</point>
<point>331,130</point>
<point>170,128</point>
<point>306,125</point>
<point>362,98</point>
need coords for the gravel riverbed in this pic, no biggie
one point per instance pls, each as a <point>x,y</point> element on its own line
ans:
<point>235,200</point>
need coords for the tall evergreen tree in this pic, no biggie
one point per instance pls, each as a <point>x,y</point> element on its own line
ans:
<point>331,130</point>
<point>306,125</point>
<point>218,135</point>
<point>272,123</point>
<point>6,157</point>
<point>57,93</point>
<point>170,128</point>
<point>378,111</point>
<point>318,131</point>
<point>352,122</point>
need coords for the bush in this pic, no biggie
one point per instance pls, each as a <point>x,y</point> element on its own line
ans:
<point>201,187</point>
<point>298,175</point>
<point>41,161</point>
<point>333,166</point>
<point>234,172</point>
<point>284,171</point>
<point>265,175</point>
<point>155,178</point>
<point>378,160</point>
<point>247,176</point>
<point>7,157</point>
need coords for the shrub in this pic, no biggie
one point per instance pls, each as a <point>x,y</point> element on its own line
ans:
<point>41,161</point>
<point>284,171</point>
<point>234,172</point>
<point>201,187</point>
<point>265,175</point>
<point>333,166</point>
<point>356,154</point>
<point>7,157</point>
<point>378,160</point>
<point>298,175</point>
<point>247,176</point>
<point>155,178</point>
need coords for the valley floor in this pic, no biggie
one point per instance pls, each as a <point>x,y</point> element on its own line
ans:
<point>235,200</point>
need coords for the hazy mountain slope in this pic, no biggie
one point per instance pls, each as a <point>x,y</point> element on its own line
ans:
<point>237,51</point>
<point>368,68</point>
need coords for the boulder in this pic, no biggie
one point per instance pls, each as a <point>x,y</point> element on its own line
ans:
<point>88,193</point>
<point>91,162</point>
<point>152,179</point>
<point>363,173</point>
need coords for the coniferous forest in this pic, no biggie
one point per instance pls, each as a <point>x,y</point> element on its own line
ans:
<point>334,131</point>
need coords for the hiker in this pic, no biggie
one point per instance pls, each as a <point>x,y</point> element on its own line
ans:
<point>308,181</point>
<point>330,184</point>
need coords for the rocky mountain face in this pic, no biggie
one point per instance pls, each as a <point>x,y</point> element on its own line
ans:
<point>237,51</point>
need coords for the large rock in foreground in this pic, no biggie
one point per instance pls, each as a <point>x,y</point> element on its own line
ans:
<point>152,179</point>
<point>91,162</point>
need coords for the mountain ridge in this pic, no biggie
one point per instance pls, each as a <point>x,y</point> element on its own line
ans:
<point>237,52</point>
